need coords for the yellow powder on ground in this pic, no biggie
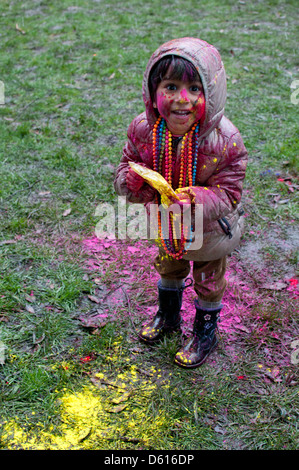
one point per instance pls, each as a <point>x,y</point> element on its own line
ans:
<point>100,416</point>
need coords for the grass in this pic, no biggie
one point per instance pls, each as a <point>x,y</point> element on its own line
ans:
<point>72,73</point>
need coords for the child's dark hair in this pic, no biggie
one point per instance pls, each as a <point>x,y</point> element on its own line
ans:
<point>177,67</point>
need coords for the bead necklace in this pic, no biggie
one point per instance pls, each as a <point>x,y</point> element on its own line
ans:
<point>162,162</point>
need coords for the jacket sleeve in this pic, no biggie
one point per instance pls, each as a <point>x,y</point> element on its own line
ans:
<point>223,190</point>
<point>131,154</point>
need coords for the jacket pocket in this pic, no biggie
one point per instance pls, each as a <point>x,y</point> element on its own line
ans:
<point>226,226</point>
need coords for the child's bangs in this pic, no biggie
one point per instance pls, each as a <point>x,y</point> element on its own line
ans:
<point>181,69</point>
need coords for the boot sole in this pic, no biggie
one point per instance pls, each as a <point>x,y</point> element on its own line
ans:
<point>197,364</point>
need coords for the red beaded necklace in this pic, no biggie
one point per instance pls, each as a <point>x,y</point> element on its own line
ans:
<point>162,162</point>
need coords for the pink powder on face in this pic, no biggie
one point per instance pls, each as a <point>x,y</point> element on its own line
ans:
<point>184,95</point>
<point>163,104</point>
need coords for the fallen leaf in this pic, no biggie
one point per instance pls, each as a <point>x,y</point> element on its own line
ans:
<point>97,331</point>
<point>95,321</point>
<point>98,382</point>
<point>122,398</point>
<point>273,374</point>
<point>67,212</point>
<point>219,430</point>
<point>84,435</point>
<point>125,271</point>
<point>30,298</point>
<point>39,340</point>
<point>276,198</point>
<point>274,286</point>
<point>117,409</point>
<point>132,249</point>
<point>30,309</point>
<point>136,349</point>
<point>19,29</point>
<point>8,242</point>
<point>93,298</point>
<point>2,353</point>
<point>106,244</point>
<point>242,328</point>
<point>283,201</point>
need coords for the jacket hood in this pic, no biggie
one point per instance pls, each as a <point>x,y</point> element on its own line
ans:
<point>209,65</point>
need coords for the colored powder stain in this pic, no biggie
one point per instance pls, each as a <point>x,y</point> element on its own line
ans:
<point>98,416</point>
<point>184,96</point>
<point>78,415</point>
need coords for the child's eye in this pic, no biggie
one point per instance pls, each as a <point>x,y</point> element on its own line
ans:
<point>195,88</point>
<point>171,87</point>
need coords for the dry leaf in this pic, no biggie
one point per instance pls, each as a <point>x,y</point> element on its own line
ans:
<point>283,201</point>
<point>2,353</point>
<point>19,29</point>
<point>242,328</point>
<point>122,398</point>
<point>67,212</point>
<point>8,242</point>
<point>97,331</point>
<point>219,429</point>
<point>84,435</point>
<point>39,340</point>
<point>30,309</point>
<point>93,298</point>
<point>30,298</point>
<point>116,409</point>
<point>274,286</point>
<point>273,374</point>
<point>99,382</point>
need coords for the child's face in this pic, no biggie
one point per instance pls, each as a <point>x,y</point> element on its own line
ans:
<point>180,103</point>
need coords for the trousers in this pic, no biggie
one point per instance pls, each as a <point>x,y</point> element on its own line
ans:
<point>209,276</point>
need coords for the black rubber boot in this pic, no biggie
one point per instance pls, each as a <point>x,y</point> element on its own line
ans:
<point>203,341</point>
<point>168,317</point>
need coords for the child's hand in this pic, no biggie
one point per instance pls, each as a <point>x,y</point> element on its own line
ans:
<point>134,182</point>
<point>148,194</point>
<point>184,200</point>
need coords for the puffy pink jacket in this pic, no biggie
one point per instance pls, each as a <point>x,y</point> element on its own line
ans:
<point>222,156</point>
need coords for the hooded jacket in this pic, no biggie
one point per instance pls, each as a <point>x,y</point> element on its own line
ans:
<point>222,156</point>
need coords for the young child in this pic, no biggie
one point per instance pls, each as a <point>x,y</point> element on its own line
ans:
<point>184,135</point>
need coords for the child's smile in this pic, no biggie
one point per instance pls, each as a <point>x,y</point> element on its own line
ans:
<point>180,103</point>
